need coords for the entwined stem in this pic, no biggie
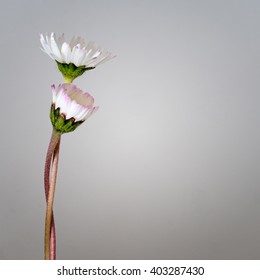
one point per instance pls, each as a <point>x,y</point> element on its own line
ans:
<point>49,183</point>
<point>52,145</point>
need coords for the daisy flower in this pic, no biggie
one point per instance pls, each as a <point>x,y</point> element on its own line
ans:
<point>70,107</point>
<point>75,57</point>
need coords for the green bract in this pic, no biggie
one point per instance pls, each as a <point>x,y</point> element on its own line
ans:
<point>59,122</point>
<point>71,71</point>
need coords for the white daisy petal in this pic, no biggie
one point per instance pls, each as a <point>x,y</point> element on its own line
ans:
<point>58,101</point>
<point>80,115</point>
<point>73,110</point>
<point>81,57</point>
<point>66,52</point>
<point>54,94</point>
<point>73,54</point>
<point>77,55</point>
<point>89,113</point>
<point>55,49</point>
<point>73,42</point>
<point>60,41</point>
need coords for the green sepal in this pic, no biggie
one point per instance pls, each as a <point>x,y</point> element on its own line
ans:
<point>59,122</point>
<point>73,126</point>
<point>52,114</point>
<point>71,71</point>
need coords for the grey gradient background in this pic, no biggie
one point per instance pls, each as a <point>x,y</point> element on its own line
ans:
<point>168,168</point>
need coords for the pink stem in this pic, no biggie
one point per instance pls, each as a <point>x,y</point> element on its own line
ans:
<point>53,147</point>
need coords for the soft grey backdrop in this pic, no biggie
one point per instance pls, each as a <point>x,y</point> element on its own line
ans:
<point>169,166</point>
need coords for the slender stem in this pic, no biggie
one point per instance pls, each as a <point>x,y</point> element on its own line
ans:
<point>52,145</point>
<point>53,239</point>
<point>53,152</point>
<point>54,175</point>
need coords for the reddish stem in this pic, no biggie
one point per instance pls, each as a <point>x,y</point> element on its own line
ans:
<point>53,147</point>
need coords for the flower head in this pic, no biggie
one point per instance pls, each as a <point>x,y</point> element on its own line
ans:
<point>73,58</point>
<point>70,107</point>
